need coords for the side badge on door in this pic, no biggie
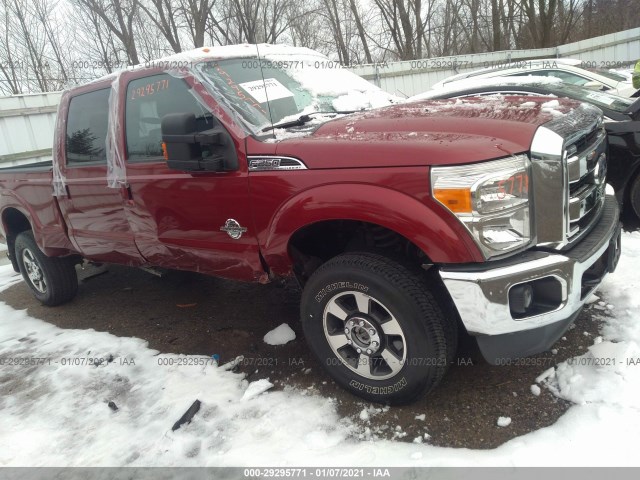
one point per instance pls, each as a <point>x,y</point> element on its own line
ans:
<point>233,228</point>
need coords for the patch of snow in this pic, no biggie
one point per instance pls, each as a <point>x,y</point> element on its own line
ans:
<point>364,415</point>
<point>592,299</point>
<point>535,389</point>
<point>504,421</point>
<point>549,373</point>
<point>421,417</point>
<point>280,335</point>
<point>256,388</point>
<point>551,104</point>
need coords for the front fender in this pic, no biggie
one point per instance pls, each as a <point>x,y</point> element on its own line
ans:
<point>426,224</point>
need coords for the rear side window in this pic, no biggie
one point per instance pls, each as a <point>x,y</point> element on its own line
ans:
<point>87,124</point>
<point>148,100</point>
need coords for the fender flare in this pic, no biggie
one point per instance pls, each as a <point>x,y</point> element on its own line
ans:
<point>428,225</point>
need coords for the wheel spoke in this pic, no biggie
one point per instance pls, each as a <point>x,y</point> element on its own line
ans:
<point>364,366</point>
<point>34,271</point>
<point>362,301</point>
<point>337,341</point>
<point>392,327</point>
<point>337,311</point>
<point>393,362</point>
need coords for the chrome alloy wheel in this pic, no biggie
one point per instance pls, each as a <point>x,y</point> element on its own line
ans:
<point>364,335</point>
<point>34,272</point>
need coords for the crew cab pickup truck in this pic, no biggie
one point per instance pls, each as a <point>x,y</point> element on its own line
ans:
<point>402,222</point>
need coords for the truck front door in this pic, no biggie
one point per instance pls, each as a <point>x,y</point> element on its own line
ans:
<point>179,218</point>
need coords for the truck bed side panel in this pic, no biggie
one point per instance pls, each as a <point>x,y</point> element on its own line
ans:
<point>29,192</point>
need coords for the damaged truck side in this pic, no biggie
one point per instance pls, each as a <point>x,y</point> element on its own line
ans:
<point>403,223</point>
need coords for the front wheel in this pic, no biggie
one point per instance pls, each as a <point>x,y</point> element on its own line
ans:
<point>52,280</point>
<point>376,328</point>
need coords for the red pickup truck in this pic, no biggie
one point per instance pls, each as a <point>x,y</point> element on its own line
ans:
<point>402,223</point>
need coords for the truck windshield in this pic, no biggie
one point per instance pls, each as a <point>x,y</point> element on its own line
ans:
<point>275,90</point>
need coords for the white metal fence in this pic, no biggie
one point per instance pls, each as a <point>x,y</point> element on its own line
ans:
<point>27,121</point>
<point>26,128</point>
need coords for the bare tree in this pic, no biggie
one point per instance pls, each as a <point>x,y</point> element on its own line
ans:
<point>165,16</point>
<point>9,83</point>
<point>196,14</point>
<point>119,17</point>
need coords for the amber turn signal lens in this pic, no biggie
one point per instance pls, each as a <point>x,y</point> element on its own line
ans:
<point>458,200</point>
<point>164,151</point>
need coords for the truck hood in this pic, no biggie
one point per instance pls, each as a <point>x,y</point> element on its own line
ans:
<point>433,132</point>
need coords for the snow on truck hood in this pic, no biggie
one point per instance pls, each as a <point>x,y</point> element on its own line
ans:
<point>435,132</point>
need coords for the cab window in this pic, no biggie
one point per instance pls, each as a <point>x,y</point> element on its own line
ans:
<point>149,99</point>
<point>87,124</point>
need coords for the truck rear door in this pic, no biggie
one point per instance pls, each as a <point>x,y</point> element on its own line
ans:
<point>94,213</point>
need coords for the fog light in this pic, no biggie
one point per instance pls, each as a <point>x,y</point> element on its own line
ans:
<point>521,298</point>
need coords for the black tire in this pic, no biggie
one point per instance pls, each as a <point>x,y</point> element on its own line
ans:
<point>54,281</point>
<point>634,196</point>
<point>420,354</point>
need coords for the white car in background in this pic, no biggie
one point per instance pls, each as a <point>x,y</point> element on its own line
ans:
<point>566,69</point>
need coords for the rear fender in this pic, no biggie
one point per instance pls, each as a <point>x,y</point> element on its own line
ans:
<point>52,239</point>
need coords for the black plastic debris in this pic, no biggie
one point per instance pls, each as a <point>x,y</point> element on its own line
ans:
<point>112,406</point>
<point>188,415</point>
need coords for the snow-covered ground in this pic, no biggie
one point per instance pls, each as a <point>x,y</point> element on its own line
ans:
<point>121,412</point>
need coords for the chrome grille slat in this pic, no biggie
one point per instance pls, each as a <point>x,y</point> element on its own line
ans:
<point>583,202</point>
<point>584,162</point>
<point>585,190</point>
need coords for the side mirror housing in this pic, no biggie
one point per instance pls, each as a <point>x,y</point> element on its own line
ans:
<point>187,149</point>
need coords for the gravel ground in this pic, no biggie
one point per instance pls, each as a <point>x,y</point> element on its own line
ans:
<point>193,314</point>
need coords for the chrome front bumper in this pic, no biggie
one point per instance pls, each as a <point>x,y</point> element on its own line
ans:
<point>481,294</point>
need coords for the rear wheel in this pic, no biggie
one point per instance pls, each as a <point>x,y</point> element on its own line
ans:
<point>374,325</point>
<point>52,280</point>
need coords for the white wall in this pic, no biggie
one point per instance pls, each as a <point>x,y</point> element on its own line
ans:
<point>26,127</point>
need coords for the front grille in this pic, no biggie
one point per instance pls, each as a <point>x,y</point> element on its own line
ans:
<point>585,182</point>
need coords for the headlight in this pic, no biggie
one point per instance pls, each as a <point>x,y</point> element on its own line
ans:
<point>491,199</point>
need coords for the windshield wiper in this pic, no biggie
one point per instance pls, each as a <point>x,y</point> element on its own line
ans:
<point>303,119</point>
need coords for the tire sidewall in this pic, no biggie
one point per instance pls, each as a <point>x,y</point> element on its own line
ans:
<point>425,356</point>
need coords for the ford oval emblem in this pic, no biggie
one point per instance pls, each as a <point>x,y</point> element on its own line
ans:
<point>233,228</point>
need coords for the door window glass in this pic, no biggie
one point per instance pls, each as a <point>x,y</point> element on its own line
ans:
<point>87,124</point>
<point>149,99</point>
